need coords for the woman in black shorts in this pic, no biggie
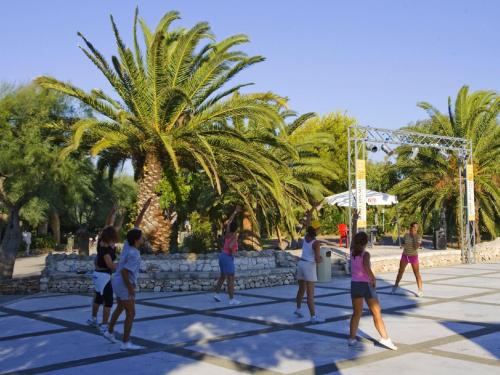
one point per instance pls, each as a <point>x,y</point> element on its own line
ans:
<point>104,267</point>
<point>363,286</point>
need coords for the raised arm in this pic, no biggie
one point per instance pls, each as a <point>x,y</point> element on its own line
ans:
<point>231,218</point>
<point>141,214</point>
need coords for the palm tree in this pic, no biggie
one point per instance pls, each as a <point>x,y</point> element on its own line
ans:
<point>430,182</point>
<point>174,108</point>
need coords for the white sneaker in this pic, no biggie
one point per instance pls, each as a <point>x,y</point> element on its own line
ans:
<point>352,342</point>
<point>420,293</point>
<point>388,344</point>
<point>92,322</point>
<point>394,289</point>
<point>298,313</point>
<point>234,302</point>
<point>110,336</point>
<point>103,328</point>
<point>316,319</point>
<point>129,346</point>
<point>217,297</point>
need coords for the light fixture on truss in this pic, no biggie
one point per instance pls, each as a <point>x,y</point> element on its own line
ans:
<point>387,149</point>
<point>444,154</point>
<point>414,153</point>
<point>371,147</point>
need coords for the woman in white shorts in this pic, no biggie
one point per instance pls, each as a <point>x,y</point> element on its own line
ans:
<point>306,271</point>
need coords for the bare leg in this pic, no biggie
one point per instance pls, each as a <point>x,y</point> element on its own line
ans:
<point>129,306</point>
<point>300,293</point>
<point>105,314</point>
<point>95,309</point>
<point>219,284</point>
<point>402,267</point>
<point>374,306</point>
<point>416,271</point>
<point>310,297</point>
<point>357,311</point>
<point>116,314</point>
<point>230,286</point>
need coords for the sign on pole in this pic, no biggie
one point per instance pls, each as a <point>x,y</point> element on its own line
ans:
<point>361,192</point>
<point>471,209</point>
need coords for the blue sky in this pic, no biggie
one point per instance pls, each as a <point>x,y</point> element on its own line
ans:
<point>373,60</point>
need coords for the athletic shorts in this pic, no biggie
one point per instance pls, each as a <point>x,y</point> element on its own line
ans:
<point>412,259</point>
<point>306,271</point>
<point>120,289</point>
<point>106,297</point>
<point>226,264</point>
<point>363,289</point>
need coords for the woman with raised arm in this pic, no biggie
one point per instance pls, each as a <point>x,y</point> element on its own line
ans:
<point>226,259</point>
<point>306,270</point>
<point>363,286</point>
<point>125,282</point>
<point>104,267</point>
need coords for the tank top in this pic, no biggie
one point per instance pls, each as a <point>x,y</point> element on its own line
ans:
<point>230,244</point>
<point>358,272</point>
<point>101,252</point>
<point>308,251</point>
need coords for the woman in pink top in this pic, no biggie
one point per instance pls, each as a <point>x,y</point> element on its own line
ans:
<point>226,259</point>
<point>363,288</point>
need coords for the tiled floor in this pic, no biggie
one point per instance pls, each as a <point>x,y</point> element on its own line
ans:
<point>454,329</point>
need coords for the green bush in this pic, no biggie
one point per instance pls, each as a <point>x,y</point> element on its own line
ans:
<point>331,217</point>
<point>200,239</point>
<point>43,242</point>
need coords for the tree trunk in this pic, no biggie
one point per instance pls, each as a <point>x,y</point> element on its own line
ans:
<point>119,221</point>
<point>281,244</point>
<point>55,225</point>
<point>43,228</point>
<point>251,240</point>
<point>156,226</point>
<point>10,244</point>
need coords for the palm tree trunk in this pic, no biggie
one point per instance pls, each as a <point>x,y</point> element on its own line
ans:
<point>55,225</point>
<point>156,226</point>
<point>10,244</point>
<point>251,239</point>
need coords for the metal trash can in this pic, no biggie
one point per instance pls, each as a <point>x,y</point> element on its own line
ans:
<point>325,267</point>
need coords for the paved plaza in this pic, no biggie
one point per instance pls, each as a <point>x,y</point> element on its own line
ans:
<point>453,329</point>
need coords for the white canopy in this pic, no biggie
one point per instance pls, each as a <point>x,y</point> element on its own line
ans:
<point>373,198</point>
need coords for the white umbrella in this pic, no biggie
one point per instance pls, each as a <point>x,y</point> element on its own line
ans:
<point>373,198</point>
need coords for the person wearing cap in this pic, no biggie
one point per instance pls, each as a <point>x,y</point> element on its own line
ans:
<point>306,271</point>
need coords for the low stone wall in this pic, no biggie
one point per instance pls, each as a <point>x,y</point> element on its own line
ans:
<point>427,260</point>
<point>22,285</point>
<point>488,252</point>
<point>174,272</point>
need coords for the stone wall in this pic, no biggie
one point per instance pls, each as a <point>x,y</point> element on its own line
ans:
<point>427,260</point>
<point>488,251</point>
<point>174,272</point>
<point>22,285</point>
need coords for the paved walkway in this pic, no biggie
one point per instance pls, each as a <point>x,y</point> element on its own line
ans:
<point>454,329</point>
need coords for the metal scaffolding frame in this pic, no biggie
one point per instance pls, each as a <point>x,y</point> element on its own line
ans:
<point>361,136</point>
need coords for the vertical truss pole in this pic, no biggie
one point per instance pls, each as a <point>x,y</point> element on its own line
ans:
<point>471,236</point>
<point>462,165</point>
<point>349,183</point>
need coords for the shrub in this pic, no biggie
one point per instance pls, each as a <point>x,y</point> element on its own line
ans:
<point>43,241</point>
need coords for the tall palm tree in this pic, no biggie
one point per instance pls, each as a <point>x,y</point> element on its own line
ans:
<point>430,182</point>
<point>173,107</point>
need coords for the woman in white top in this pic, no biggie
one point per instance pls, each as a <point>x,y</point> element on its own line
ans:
<point>306,271</point>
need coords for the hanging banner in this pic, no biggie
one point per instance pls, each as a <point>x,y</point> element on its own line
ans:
<point>361,192</point>
<point>471,208</point>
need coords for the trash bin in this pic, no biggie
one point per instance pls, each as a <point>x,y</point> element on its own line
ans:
<point>325,267</point>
